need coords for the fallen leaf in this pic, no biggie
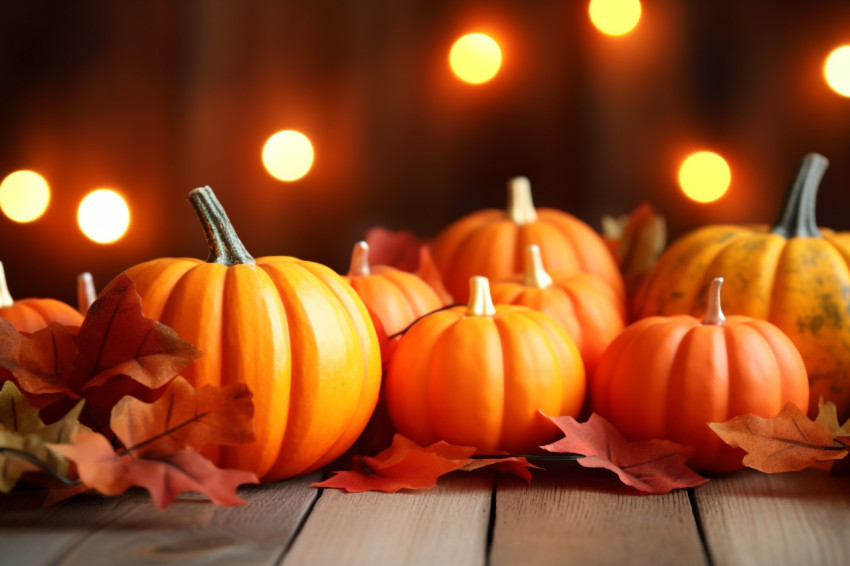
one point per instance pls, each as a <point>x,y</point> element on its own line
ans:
<point>185,417</point>
<point>515,465</point>
<point>40,363</point>
<point>651,466</point>
<point>788,442</point>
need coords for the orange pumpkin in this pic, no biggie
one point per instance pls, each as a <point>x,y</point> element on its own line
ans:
<point>294,331</point>
<point>794,275</point>
<point>31,315</point>
<point>477,375</point>
<point>586,307</point>
<point>490,243</point>
<point>667,377</point>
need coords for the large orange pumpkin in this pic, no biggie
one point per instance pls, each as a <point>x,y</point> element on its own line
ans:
<point>490,243</point>
<point>476,375</point>
<point>31,315</point>
<point>294,331</point>
<point>667,377</point>
<point>794,275</point>
<point>587,308</point>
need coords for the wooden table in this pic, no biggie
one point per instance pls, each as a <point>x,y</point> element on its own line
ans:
<point>566,516</point>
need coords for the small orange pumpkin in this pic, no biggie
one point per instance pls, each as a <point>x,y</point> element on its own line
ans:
<point>31,315</point>
<point>667,377</point>
<point>586,307</point>
<point>294,331</point>
<point>490,243</point>
<point>477,375</point>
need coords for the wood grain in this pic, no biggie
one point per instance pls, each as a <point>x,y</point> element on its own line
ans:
<point>128,530</point>
<point>793,518</point>
<point>445,526</point>
<point>580,516</point>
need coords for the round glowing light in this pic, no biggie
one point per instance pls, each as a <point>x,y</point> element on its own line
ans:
<point>103,216</point>
<point>288,155</point>
<point>475,58</point>
<point>614,17</point>
<point>836,70</point>
<point>24,196</point>
<point>704,176</point>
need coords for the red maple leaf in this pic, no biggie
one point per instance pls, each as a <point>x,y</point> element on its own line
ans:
<point>651,466</point>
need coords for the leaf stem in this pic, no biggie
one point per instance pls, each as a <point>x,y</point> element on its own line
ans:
<point>409,326</point>
<point>26,456</point>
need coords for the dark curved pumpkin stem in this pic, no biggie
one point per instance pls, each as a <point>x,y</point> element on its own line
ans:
<point>798,214</point>
<point>225,246</point>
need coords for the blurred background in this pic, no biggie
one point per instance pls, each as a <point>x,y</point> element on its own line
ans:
<point>154,99</point>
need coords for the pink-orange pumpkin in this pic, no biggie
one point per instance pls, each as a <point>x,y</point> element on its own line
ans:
<point>31,315</point>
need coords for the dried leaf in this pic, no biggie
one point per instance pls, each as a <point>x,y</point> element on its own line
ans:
<point>636,240</point>
<point>651,466</point>
<point>788,442</point>
<point>828,417</point>
<point>164,475</point>
<point>515,465</point>
<point>185,417</point>
<point>40,363</point>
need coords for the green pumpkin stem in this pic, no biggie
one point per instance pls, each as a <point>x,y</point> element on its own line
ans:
<point>520,206</point>
<point>86,293</point>
<point>535,274</point>
<point>359,260</point>
<point>225,246</point>
<point>714,314</point>
<point>798,213</point>
<point>480,301</point>
<point>6,299</point>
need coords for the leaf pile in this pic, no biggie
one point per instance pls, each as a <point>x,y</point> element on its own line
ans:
<point>115,407</point>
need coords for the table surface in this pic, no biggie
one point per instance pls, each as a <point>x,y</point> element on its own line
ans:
<point>568,515</point>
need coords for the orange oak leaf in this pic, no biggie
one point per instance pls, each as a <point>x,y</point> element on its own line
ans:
<point>651,466</point>
<point>165,475</point>
<point>185,417</point>
<point>788,442</point>
<point>40,363</point>
<point>406,465</point>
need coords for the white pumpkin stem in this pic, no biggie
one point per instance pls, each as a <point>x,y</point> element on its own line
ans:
<point>6,299</point>
<point>85,292</point>
<point>359,260</point>
<point>714,314</point>
<point>535,274</point>
<point>480,301</point>
<point>520,206</point>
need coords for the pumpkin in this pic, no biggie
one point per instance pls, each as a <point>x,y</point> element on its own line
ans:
<point>667,377</point>
<point>294,331</point>
<point>794,275</point>
<point>477,375</point>
<point>490,243</point>
<point>394,297</point>
<point>31,315</point>
<point>586,307</point>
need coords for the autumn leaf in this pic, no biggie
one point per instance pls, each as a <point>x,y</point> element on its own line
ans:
<point>186,417</point>
<point>636,240</point>
<point>24,438</point>
<point>164,474</point>
<point>40,363</point>
<point>651,466</point>
<point>788,442</point>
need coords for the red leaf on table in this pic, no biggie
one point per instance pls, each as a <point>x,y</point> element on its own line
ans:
<point>164,475</point>
<point>788,442</point>
<point>651,466</point>
<point>185,417</point>
<point>515,465</point>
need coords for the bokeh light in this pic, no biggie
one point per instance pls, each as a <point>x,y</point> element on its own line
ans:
<point>24,196</point>
<point>836,70</point>
<point>704,176</point>
<point>103,216</point>
<point>614,17</point>
<point>288,155</point>
<point>475,58</point>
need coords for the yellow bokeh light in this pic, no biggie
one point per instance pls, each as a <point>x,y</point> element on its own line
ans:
<point>836,70</point>
<point>475,58</point>
<point>614,17</point>
<point>103,216</point>
<point>288,155</point>
<point>704,176</point>
<point>24,196</point>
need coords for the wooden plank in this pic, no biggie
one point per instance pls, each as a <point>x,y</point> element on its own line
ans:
<point>128,530</point>
<point>446,525</point>
<point>794,518</point>
<point>573,515</point>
